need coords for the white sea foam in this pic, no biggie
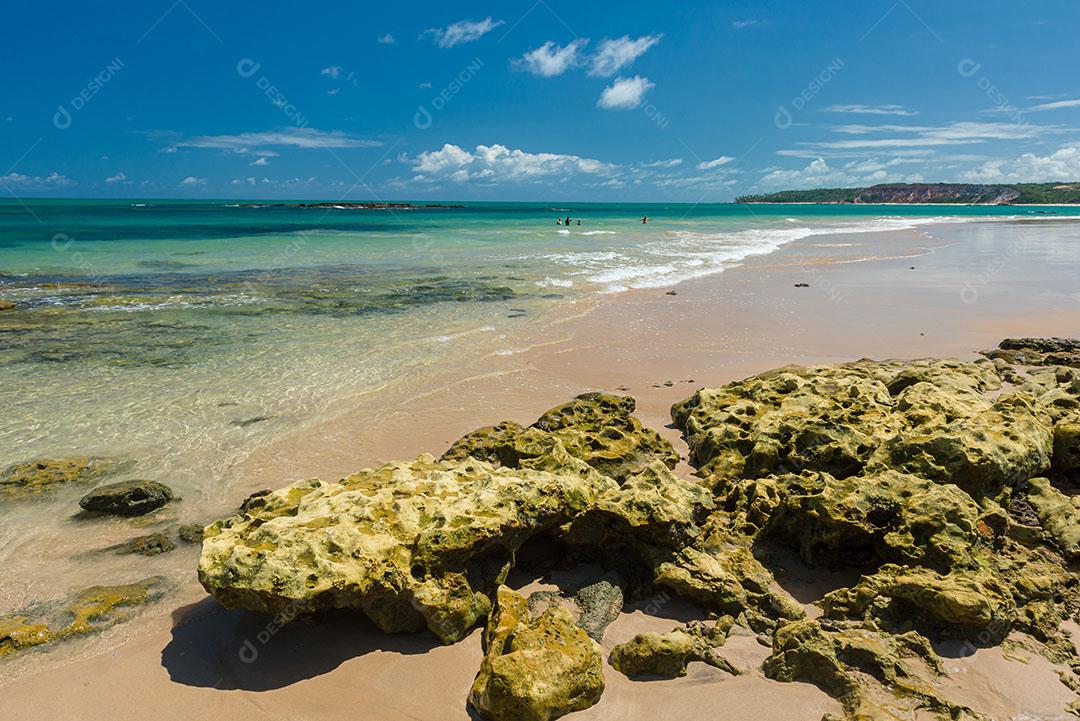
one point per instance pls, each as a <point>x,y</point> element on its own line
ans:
<point>550,282</point>
<point>598,232</point>
<point>681,255</point>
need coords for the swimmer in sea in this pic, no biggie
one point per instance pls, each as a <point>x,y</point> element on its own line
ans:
<point>644,220</point>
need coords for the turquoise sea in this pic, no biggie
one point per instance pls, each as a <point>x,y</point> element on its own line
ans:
<point>183,336</point>
<point>125,308</point>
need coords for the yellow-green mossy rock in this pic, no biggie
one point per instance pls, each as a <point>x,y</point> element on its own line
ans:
<point>982,453</point>
<point>87,611</point>
<point>860,665</point>
<point>36,477</point>
<point>411,544</point>
<point>597,428</point>
<point>535,669</point>
<point>1058,514</point>
<point>889,516</point>
<point>1067,444</point>
<point>975,605</point>
<point>940,419</point>
<point>667,654</point>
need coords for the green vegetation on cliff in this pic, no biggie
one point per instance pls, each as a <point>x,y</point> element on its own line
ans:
<point>959,193</point>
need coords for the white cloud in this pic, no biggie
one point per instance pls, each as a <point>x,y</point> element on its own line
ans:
<point>819,174</point>
<point>710,164</point>
<point>614,55</point>
<point>960,133</point>
<point>333,71</point>
<point>551,59</point>
<point>191,181</point>
<point>247,181</point>
<point>625,93</point>
<point>463,31</point>
<point>672,163</point>
<point>497,163</point>
<point>1057,105</point>
<point>52,180</point>
<point>424,86</point>
<point>261,162</point>
<point>295,137</point>
<point>740,24</point>
<point>1061,165</point>
<point>333,91</point>
<point>871,109</point>
<point>387,39</point>
<point>118,178</point>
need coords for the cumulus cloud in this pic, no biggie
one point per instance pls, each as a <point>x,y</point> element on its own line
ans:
<point>1061,165</point>
<point>118,178</point>
<point>52,180</point>
<point>261,162</point>
<point>625,93</point>
<point>246,181</point>
<point>551,59</point>
<point>191,182</point>
<point>295,137</point>
<point>461,32</point>
<point>387,39</point>
<point>497,163</point>
<point>613,55</point>
<point>871,109</point>
<point>740,24</point>
<point>819,174</point>
<point>716,163</point>
<point>333,71</point>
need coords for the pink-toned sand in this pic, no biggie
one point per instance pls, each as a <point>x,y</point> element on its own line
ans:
<point>654,346</point>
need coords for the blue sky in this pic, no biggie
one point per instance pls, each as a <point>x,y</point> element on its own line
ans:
<point>532,100</point>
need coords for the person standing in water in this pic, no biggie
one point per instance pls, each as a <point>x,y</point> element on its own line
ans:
<point>567,220</point>
<point>644,220</point>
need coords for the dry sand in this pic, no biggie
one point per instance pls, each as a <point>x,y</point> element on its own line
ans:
<point>864,299</point>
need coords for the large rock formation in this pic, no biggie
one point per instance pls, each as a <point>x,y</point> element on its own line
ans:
<point>597,428</point>
<point>925,477</point>
<point>414,544</point>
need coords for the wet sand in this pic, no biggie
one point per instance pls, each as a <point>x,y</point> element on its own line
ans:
<point>937,291</point>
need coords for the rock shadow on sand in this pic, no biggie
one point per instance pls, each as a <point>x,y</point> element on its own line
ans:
<point>213,647</point>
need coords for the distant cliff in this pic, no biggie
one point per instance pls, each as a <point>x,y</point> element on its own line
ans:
<point>960,193</point>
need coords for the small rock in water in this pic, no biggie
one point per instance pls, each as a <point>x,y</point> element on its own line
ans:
<point>7,305</point>
<point>152,544</point>
<point>127,498</point>
<point>190,533</point>
<point>36,477</point>
<point>245,422</point>
<point>671,292</point>
<point>516,313</point>
<point>802,285</point>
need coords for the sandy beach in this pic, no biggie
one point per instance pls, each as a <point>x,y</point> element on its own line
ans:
<point>939,291</point>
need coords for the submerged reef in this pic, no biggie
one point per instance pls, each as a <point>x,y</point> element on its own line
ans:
<point>947,490</point>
